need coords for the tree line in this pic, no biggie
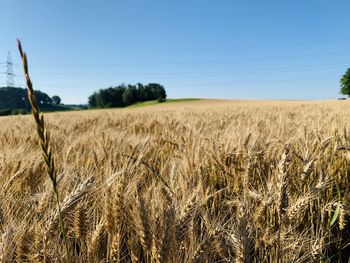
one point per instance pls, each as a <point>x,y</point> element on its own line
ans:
<point>15,101</point>
<point>345,83</point>
<point>125,95</point>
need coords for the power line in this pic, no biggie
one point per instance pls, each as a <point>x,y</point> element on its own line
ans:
<point>198,73</point>
<point>200,61</point>
<point>237,44</point>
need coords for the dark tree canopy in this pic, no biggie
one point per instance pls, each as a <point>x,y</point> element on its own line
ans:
<point>345,83</point>
<point>16,98</point>
<point>56,100</point>
<point>124,95</point>
<point>15,101</point>
<point>92,100</point>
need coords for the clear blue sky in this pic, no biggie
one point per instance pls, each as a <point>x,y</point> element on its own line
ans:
<point>243,49</point>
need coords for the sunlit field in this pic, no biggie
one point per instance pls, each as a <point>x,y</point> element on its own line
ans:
<point>199,181</point>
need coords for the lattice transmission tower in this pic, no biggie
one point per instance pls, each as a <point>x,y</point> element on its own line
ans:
<point>10,81</point>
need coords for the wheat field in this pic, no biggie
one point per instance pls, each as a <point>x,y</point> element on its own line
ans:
<point>203,181</point>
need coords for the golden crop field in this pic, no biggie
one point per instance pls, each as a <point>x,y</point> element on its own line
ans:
<point>203,181</point>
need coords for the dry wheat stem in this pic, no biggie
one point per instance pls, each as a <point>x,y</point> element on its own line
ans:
<point>45,144</point>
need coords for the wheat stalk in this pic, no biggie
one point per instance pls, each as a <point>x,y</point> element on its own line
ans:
<point>45,144</point>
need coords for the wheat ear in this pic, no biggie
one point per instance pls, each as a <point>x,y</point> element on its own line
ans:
<point>45,143</point>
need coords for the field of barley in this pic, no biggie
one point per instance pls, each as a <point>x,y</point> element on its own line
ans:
<point>202,181</point>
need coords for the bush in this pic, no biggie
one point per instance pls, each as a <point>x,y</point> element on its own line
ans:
<point>5,112</point>
<point>18,111</point>
<point>9,111</point>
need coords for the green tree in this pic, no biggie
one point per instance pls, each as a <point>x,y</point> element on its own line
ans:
<point>56,100</point>
<point>103,98</point>
<point>155,91</point>
<point>130,95</point>
<point>16,98</point>
<point>345,83</point>
<point>92,100</point>
<point>43,100</point>
<point>124,95</point>
<point>141,91</point>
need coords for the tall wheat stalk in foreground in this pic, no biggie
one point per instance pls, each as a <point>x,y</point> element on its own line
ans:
<point>45,143</point>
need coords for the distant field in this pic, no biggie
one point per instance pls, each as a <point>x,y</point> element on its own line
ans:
<point>155,102</point>
<point>230,102</point>
<point>192,181</point>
